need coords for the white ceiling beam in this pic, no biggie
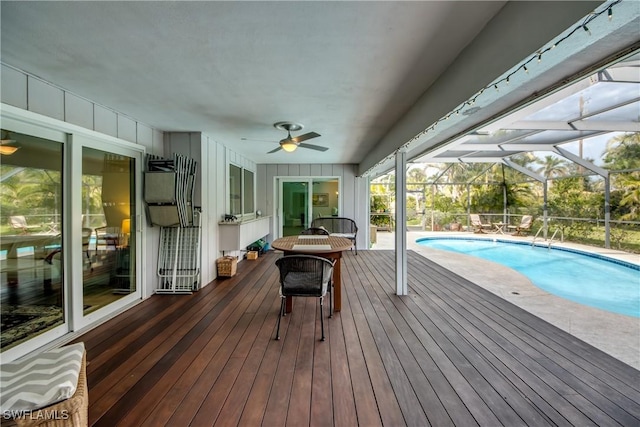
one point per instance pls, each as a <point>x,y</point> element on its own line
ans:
<point>627,74</point>
<point>601,125</point>
<point>582,162</point>
<point>539,124</point>
<point>524,170</point>
<point>530,147</point>
<point>474,147</point>
<point>465,160</point>
<point>561,94</point>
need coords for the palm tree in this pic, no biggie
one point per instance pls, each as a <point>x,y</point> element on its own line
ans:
<point>622,153</point>
<point>552,167</point>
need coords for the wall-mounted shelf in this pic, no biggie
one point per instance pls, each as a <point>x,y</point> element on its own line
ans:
<point>235,236</point>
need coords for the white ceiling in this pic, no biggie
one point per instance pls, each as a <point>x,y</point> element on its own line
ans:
<point>349,71</point>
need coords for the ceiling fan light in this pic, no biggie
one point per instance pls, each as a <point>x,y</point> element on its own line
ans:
<point>289,146</point>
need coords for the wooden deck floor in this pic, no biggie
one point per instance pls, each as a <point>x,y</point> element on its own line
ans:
<point>450,353</point>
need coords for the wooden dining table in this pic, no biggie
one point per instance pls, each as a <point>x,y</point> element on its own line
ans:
<point>330,247</point>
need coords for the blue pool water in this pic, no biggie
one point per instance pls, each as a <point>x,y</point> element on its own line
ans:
<point>584,278</point>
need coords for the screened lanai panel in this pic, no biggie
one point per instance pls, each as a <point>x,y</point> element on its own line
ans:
<point>625,113</point>
<point>493,154</point>
<point>605,104</point>
<point>555,137</point>
<point>499,137</point>
<point>599,97</point>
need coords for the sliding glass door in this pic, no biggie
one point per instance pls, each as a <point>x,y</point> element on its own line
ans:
<point>31,275</point>
<point>69,232</point>
<point>303,199</point>
<point>108,228</point>
<point>294,203</point>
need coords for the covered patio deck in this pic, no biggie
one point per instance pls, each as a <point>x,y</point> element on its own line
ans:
<point>449,353</point>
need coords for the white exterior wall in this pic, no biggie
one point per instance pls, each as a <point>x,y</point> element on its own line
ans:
<point>32,94</point>
<point>211,189</point>
<point>211,192</point>
<point>353,191</point>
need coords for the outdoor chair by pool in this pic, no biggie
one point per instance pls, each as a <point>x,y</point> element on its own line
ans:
<point>304,276</point>
<point>525,225</point>
<point>314,231</point>
<point>478,225</point>
<point>19,222</point>
<point>339,227</point>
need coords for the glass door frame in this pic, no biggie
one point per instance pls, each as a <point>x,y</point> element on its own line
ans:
<point>81,320</point>
<point>279,197</point>
<point>18,123</point>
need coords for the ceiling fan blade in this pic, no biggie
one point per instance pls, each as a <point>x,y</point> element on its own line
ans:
<point>304,137</point>
<point>313,147</point>
<point>274,150</point>
<point>257,140</point>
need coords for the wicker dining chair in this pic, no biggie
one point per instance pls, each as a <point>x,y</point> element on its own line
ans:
<point>304,276</point>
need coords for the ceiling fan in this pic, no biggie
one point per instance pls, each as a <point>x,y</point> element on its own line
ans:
<point>290,143</point>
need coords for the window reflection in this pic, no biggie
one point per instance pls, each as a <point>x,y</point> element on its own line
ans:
<point>108,230</point>
<point>241,191</point>
<point>31,246</point>
<point>235,190</point>
<point>248,193</point>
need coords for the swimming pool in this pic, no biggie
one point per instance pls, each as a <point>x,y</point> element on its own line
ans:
<point>585,278</point>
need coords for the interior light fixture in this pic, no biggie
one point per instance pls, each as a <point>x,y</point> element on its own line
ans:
<point>6,149</point>
<point>289,146</point>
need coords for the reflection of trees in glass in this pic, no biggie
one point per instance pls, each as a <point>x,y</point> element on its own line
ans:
<point>28,191</point>
<point>92,201</point>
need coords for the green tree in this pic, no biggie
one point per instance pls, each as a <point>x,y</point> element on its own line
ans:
<point>552,167</point>
<point>622,153</point>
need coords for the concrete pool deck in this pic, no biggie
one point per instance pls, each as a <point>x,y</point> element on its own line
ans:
<point>615,334</point>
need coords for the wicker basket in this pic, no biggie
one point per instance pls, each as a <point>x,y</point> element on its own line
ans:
<point>252,255</point>
<point>227,266</point>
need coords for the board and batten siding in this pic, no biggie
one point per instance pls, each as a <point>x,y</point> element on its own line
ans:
<point>212,188</point>
<point>30,93</point>
<point>353,190</point>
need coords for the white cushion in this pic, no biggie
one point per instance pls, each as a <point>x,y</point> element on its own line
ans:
<point>345,235</point>
<point>40,380</point>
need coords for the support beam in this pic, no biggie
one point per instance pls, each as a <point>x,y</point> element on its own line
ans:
<point>607,212</point>
<point>607,191</point>
<point>539,178</point>
<point>545,210</point>
<point>524,171</point>
<point>401,223</point>
<point>582,162</point>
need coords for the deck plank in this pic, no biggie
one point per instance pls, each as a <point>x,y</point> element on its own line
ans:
<point>449,353</point>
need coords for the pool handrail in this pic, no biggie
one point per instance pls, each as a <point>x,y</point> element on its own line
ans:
<point>549,241</point>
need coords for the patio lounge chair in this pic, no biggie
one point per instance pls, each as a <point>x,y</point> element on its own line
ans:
<point>19,222</point>
<point>304,276</point>
<point>525,225</point>
<point>478,225</point>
